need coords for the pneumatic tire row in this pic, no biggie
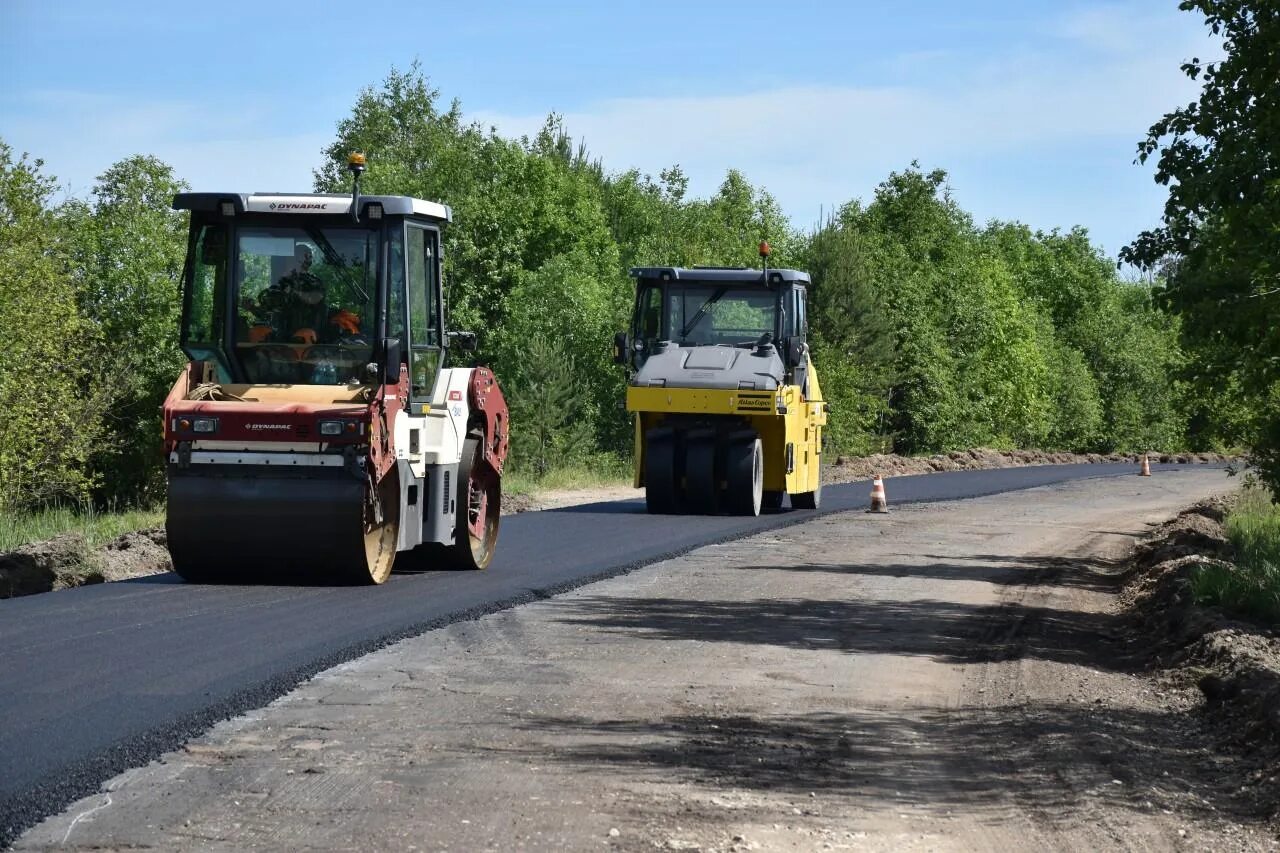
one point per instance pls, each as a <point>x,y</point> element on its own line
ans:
<point>704,472</point>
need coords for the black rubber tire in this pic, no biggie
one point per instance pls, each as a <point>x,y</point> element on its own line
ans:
<point>772,499</point>
<point>661,479</point>
<point>701,483</point>
<point>809,500</point>
<point>467,552</point>
<point>744,471</point>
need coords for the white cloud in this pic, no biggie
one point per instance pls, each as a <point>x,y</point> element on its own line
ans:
<point>816,146</point>
<point>1117,28</point>
<point>238,148</point>
<point>1010,126</point>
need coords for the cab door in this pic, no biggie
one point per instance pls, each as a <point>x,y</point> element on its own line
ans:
<point>422,268</point>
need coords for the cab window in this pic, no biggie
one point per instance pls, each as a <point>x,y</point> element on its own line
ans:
<point>423,271</point>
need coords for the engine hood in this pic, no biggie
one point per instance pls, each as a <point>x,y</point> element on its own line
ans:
<point>734,368</point>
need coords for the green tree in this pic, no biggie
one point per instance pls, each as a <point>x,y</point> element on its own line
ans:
<point>852,337</point>
<point>529,252</point>
<point>548,411</point>
<point>128,247</point>
<point>52,416</point>
<point>1219,241</point>
<point>956,337</point>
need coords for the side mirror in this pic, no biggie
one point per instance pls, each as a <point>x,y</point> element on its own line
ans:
<point>620,351</point>
<point>390,360</point>
<point>465,341</point>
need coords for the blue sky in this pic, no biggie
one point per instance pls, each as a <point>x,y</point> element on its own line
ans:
<point>1034,108</point>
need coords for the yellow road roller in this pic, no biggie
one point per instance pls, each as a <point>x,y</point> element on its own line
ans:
<point>727,407</point>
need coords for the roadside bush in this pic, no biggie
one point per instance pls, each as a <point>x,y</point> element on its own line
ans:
<point>1252,587</point>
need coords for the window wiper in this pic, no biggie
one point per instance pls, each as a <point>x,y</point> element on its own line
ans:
<point>335,260</point>
<point>702,312</point>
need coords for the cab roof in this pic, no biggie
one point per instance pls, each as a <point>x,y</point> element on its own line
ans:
<point>311,203</point>
<point>721,275</point>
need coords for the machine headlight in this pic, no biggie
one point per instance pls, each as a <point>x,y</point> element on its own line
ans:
<point>333,428</point>
<point>188,424</point>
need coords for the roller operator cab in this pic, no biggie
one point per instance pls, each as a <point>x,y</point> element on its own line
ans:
<point>317,430</point>
<point>728,411</point>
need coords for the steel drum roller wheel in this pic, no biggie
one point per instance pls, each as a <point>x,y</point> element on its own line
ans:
<point>200,573</point>
<point>380,535</point>
<point>479,509</point>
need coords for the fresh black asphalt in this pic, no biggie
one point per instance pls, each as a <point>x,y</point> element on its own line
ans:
<point>102,678</point>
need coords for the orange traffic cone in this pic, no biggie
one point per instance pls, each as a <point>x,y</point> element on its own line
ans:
<point>879,503</point>
<point>1146,467</point>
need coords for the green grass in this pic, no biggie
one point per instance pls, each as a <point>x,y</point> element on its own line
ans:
<point>1253,587</point>
<point>601,470</point>
<point>96,526</point>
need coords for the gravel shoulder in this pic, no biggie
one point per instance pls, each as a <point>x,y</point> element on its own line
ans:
<point>947,676</point>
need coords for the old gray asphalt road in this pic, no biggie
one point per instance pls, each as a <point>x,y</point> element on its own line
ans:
<point>99,679</point>
<point>943,677</point>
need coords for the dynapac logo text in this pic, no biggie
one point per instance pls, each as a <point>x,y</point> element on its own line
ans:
<point>267,426</point>
<point>297,205</point>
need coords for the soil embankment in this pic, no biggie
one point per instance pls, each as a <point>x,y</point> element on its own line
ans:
<point>848,468</point>
<point>1224,664</point>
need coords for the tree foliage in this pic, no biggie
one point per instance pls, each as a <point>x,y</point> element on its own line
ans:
<point>1219,241</point>
<point>542,238</point>
<point>128,248</point>
<point>929,332</point>
<point>953,336</point>
<point>49,424</point>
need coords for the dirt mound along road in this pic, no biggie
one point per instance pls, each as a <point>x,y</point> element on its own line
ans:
<point>1233,662</point>
<point>949,676</point>
<point>849,468</point>
<point>67,561</point>
<point>55,563</point>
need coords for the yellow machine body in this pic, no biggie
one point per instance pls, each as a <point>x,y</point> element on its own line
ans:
<point>789,423</point>
<point>728,411</point>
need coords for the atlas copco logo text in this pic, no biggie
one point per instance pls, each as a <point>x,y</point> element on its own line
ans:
<point>298,205</point>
